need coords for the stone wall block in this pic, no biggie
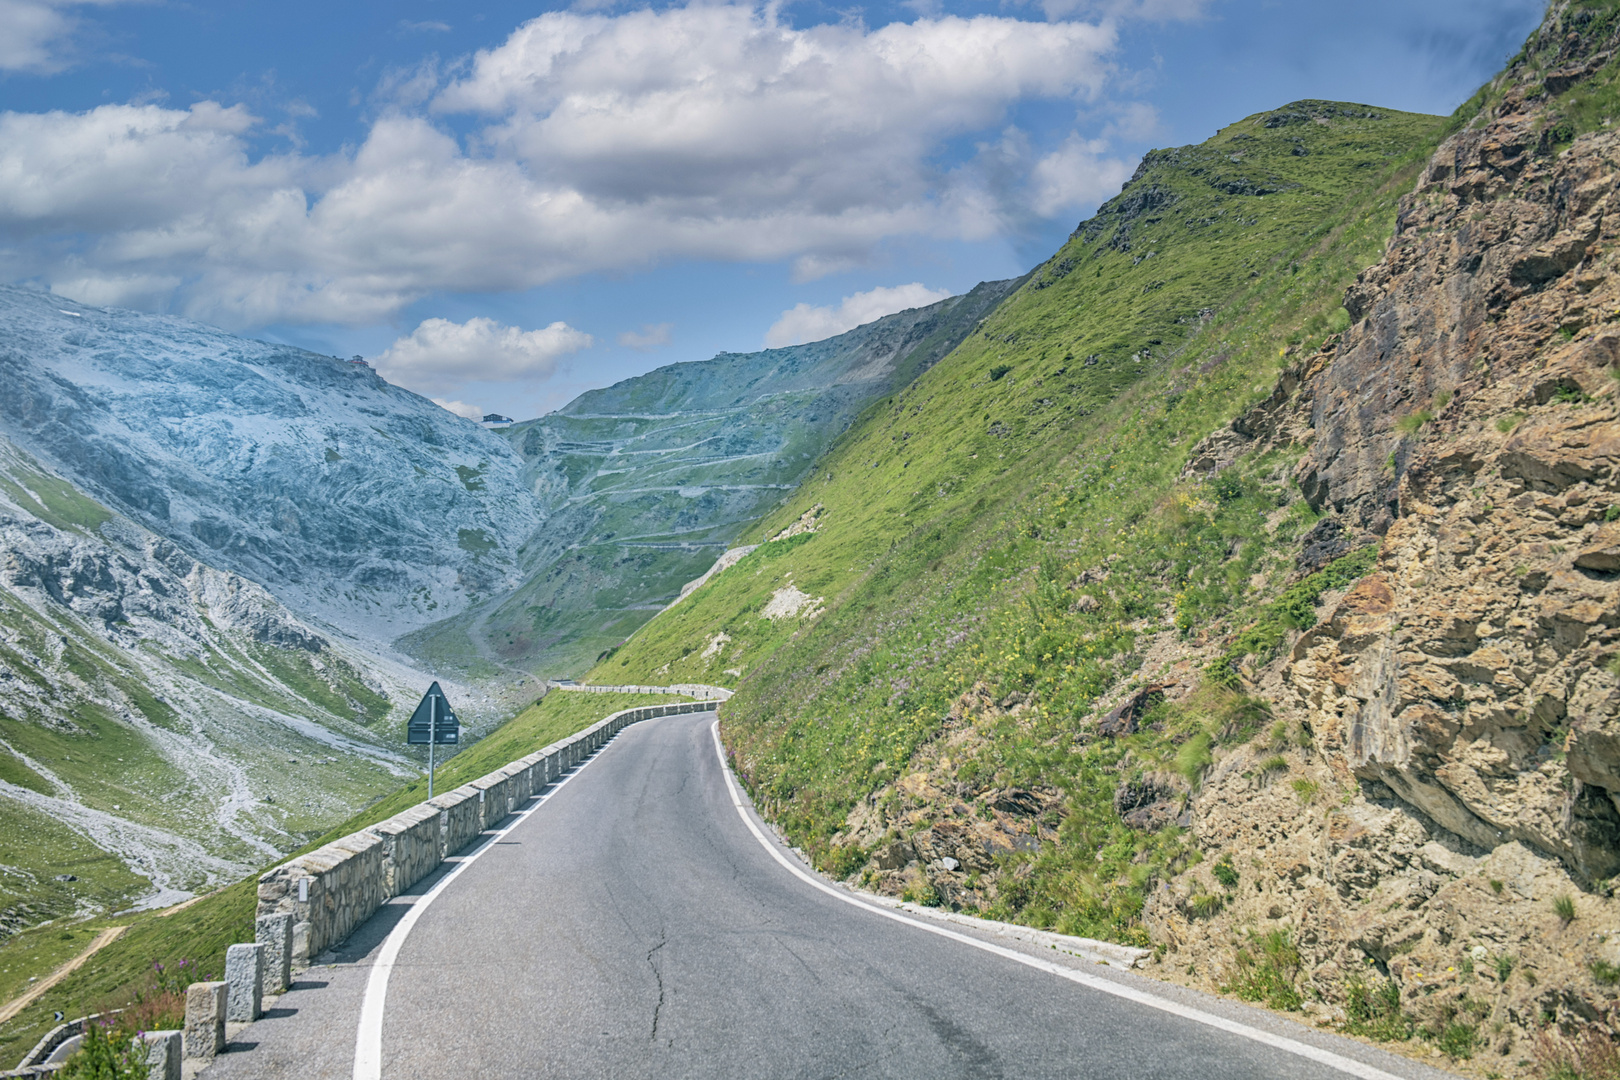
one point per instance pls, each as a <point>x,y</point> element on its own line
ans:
<point>461,820</point>
<point>495,788</point>
<point>244,982</point>
<point>204,1034</point>
<point>274,932</point>
<point>163,1052</point>
<point>332,890</point>
<point>412,847</point>
<point>518,787</point>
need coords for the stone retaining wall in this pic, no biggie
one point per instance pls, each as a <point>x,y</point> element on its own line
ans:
<point>411,847</point>
<point>492,794</point>
<point>328,892</point>
<point>693,690</point>
<point>461,819</point>
<point>331,891</point>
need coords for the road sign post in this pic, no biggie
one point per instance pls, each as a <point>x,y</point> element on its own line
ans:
<point>435,724</point>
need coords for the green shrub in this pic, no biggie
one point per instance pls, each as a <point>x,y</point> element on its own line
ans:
<point>1305,789</point>
<point>1225,872</point>
<point>106,1054</point>
<point>1408,425</point>
<point>839,861</point>
<point>1274,763</point>
<point>1504,966</point>
<point>1239,717</point>
<point>998,371</point>
<point>1204,905</point>
<point>1604,972</point>
<point>1506,424</point>
<point>1563,906</point>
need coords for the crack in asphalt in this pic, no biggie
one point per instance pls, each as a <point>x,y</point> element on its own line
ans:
<point>658,975</point>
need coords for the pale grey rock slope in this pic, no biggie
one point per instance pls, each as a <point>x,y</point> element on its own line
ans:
<point>354,501</point>
<point>165,726</point>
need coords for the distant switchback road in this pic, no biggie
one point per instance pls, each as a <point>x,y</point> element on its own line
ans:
<point>635,925</point>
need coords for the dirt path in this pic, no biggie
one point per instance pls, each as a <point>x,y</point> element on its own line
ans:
<point>17,1005</point>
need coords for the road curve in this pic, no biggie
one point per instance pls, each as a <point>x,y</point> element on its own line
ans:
<point>634,926</point>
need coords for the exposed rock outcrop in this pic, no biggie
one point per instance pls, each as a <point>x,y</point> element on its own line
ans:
<point>1465,770</point>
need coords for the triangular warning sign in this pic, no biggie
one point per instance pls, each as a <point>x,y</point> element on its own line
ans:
<point>433,721</point>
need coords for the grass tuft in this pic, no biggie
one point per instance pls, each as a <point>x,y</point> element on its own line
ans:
<point>1373,1009</point>
<point>1267,969</point>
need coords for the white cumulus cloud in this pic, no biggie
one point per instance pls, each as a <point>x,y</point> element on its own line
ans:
<point>594,142</point>
<point>1077,173</point>
<point>440,354</point>
<point>460,408</point>
<point>802,322</point>
<point>36,35</point>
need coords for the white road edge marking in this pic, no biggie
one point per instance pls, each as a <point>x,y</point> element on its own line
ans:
<point>368,1043</point>
<point>1280,1042</point>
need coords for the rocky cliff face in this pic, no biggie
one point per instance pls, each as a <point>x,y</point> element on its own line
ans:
<point>1466,692</point>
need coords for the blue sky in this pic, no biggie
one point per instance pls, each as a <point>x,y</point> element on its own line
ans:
<point>505,204</point>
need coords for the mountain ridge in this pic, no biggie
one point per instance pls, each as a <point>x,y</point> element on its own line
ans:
<point>641,499</point>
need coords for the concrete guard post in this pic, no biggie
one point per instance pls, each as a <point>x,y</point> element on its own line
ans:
<point>274,932</point>
<point>163,1053</point>
<point>244,981</point>
<point>205,1020</point>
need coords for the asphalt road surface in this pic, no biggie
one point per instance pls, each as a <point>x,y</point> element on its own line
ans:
<point>633,924</point>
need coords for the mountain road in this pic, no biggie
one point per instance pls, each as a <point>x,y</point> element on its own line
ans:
<point>640,921</point>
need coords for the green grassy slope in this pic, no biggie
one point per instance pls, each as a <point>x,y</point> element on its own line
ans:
<point>1014,521</point>
<point>199,934</point>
